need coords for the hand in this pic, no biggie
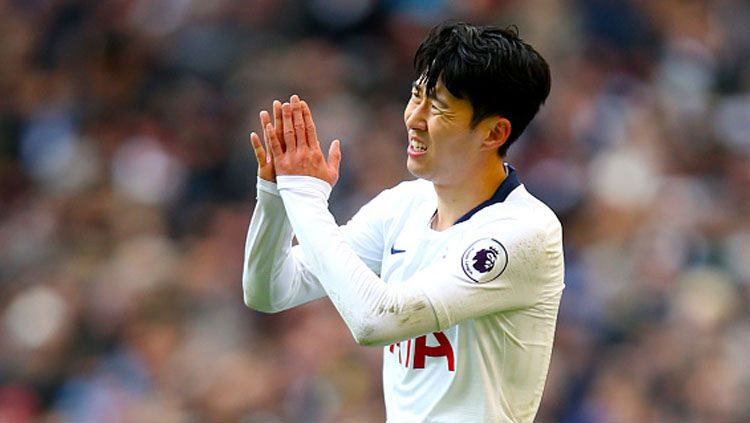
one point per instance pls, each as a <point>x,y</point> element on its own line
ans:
<point>302,155</point>
<point>264,156</point>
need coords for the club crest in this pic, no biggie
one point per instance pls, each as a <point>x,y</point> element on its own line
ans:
<point>484,260</point>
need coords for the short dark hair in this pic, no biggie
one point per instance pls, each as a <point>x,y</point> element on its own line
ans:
<point>492,67</point>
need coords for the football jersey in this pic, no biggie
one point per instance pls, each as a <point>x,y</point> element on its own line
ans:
<point>470,310</point>
<point>490,367</point>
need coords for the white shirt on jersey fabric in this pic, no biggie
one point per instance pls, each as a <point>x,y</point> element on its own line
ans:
<point>466,315</point>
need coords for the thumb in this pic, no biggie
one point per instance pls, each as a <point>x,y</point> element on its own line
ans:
<point>334,155</point>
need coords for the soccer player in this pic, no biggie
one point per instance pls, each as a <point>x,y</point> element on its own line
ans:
<point>457,274</point>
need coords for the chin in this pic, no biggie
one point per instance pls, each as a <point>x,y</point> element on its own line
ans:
<point>416,170</point>
<point>412,167</point>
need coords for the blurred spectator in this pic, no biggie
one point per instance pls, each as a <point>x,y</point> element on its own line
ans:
<point>127,183</point>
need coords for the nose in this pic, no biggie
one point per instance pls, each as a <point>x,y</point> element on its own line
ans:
<point>415,116</point>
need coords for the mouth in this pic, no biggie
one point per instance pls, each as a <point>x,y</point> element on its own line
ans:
<point>416,148</point>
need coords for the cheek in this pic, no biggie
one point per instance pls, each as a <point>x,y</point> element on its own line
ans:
<point>451,139</point>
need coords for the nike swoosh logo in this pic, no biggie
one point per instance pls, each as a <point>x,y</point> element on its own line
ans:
<point>395,251</point>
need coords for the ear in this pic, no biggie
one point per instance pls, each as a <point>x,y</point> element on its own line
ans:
<point>499,131</point>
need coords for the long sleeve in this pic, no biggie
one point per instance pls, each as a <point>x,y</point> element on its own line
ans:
<point>440,295</point>
<point>375,313</point>
<point>275,276</point>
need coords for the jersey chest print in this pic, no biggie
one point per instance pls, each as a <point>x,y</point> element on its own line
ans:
<point>412,353</point>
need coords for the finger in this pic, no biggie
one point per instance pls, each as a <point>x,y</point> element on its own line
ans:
<point>310,131</point>
<point>334,156</point>
<point>288,127</point>
<point>275,144</point>
<point>299,123</point>
<point>265,118</point>
<point>260,153</point>
<point>277,124</point>
<point>267,149</point>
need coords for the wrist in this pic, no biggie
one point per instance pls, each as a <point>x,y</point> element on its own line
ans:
<point>270,187</point>
<point>304,183</point>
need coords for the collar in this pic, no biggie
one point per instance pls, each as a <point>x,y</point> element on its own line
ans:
<point>510,183</point>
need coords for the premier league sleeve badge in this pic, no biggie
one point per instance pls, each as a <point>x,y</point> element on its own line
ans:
<point>484,260</point>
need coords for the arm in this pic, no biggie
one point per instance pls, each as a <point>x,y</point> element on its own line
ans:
<point>277,276</point>
<point>274,275</point>
<point>375,313</point>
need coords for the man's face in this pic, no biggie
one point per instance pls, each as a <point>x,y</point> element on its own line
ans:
<point>443,147</point>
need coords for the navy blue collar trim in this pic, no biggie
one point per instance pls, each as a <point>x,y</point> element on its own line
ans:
<point>510,183</point>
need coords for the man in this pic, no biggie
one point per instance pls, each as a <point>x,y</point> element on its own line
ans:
<point>459,273</point>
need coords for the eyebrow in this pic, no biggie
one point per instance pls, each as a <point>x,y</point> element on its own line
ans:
<point>416,86</point>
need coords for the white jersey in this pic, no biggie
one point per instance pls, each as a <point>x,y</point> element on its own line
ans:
<point>467,315</point>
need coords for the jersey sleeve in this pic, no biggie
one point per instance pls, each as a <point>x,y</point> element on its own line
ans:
<point>508,265</point>
<point>506,272</point>
<point>277,276</point>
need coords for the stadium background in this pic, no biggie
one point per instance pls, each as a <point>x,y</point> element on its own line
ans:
<point>127,183</point>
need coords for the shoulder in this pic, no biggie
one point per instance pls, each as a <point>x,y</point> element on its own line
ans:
<point>520,237</point>
<point>525,210</point>
<point>521,219</point>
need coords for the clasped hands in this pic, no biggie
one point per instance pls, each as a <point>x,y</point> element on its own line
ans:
<point>291,144</point>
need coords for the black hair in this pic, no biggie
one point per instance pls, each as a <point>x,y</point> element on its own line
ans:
<point>492,67</point>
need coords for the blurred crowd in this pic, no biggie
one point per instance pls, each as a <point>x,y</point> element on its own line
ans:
<point>127,183</point>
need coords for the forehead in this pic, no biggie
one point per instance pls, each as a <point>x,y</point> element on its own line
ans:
<point>422,82</point>
<point>440,91</point>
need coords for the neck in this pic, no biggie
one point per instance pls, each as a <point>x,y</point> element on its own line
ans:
<point>458,197</point>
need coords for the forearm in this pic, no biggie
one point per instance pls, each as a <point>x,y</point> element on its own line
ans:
<point>376,313</point>
<point>273,276</point>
